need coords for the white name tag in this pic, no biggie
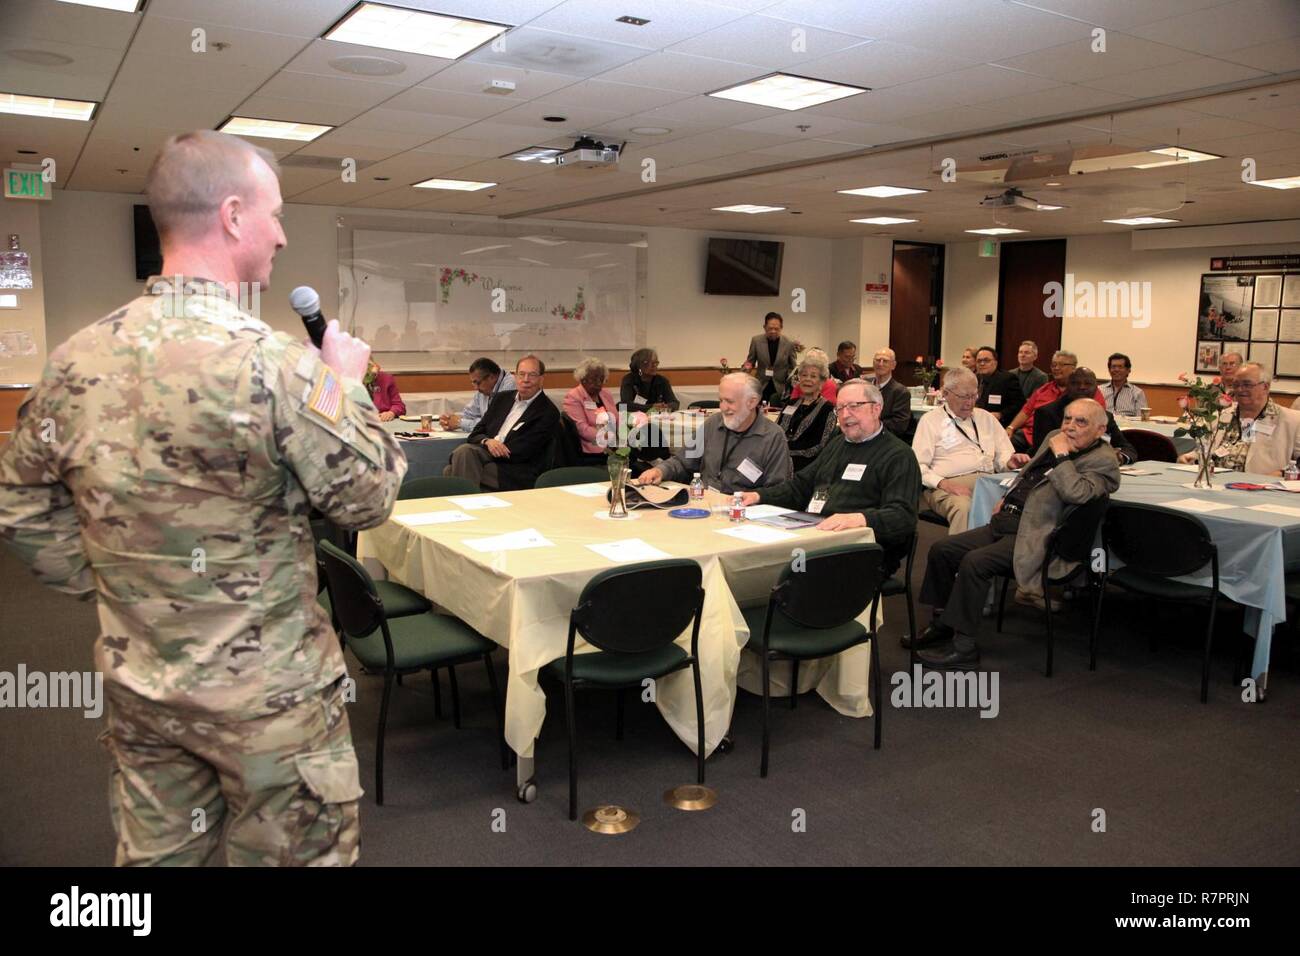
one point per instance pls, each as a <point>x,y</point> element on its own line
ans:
<point>853,473</point>
<point>638,400</point>
<point>788,410</point>
<point>815,506</point>
<point>591,405</point>
<point>995,399</point>
<point>770,372</point>
<point>750,470</point>
<point>948,440</point>
<point>1265,428</point>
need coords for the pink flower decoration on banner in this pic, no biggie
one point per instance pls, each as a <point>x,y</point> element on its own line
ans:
<point>1182,402</point>
<point>1182,376</point>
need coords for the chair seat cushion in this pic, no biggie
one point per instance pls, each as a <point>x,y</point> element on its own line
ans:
<point>421,640</point>
<point>1153,585</point>
<point>891,586</point>
<point>791,640</point>
<point>399,600</point>
<point>603,667</point>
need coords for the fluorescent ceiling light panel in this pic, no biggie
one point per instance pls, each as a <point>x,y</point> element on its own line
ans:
<point>464,185</point>
<point>534,154</point>
<point>46,106</point>
<point>273,129</point>
<point>126,6</point>
<point>470,252</point>
<point>1177,155</point>
<point>1286,182</point>
<point>745,207</point>
<point>413,31</point>
<point>883,220</point>
<point>1140,221</point>
<point>1043,207</point>
<point>786,92</point>
<point>997,231</point>
<point>882,192</point>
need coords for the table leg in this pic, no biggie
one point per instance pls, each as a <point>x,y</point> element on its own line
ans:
<point>526,788</point>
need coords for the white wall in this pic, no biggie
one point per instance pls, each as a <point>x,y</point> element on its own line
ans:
<point>89,270</point>
<point>1159,350</point>
<point>21,217</point>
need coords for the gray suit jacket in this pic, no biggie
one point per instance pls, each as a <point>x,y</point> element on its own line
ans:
<point>1075,482</point>
<point>758,356</point>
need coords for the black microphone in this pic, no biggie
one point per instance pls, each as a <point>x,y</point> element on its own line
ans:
<point>306,303</point>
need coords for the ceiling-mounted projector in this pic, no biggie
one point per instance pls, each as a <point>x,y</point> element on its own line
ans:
<point>588,153</point>
<point>1012,197</point>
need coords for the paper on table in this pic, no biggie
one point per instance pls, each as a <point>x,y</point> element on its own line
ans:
<point>432,517</point>
<point>629,549</point>
<point>596,490</point>
<point>1292,486</point>
<point>1122,471</point>
<point>1197,504</point>
<point>1278,509</point>
<point>757,533</point>
<point>480,501</point>
<point>765,511</point>
<point>511,541</point>
<point>1191,468</point>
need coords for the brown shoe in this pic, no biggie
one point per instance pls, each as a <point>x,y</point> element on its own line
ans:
<point>1030,599</point>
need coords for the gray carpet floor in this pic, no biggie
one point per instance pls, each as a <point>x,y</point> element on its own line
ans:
<point>1181,783</point>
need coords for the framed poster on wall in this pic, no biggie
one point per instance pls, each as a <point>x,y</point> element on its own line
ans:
<point>1251,314</point>
<point>1207,357</point>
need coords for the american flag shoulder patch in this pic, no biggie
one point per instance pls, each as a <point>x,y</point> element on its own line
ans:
<point>327,396</point>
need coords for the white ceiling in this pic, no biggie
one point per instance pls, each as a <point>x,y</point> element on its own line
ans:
<point>963,78</point>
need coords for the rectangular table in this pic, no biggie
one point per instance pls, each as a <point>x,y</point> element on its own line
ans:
<point>425,457</point>
<point>521,599</point>
<point>1256,548</point>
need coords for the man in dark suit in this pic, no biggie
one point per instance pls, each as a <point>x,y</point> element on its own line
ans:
<point>771,357</point>
<point>1073,467</point>
<point>1081,384</point>
<point>507,449</point>
<point>1000,394</point>
<point>896,400</point>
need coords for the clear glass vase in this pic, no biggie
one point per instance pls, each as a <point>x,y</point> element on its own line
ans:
<point>1204,473</point>
<point>618,475</point>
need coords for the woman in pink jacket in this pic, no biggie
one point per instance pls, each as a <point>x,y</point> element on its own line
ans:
<point>592,409</point>
<point>384,393</point>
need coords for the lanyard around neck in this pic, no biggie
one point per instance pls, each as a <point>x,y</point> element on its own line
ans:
<point>956,424</point>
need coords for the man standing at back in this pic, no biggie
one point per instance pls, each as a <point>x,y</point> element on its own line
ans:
<point>167,462</point>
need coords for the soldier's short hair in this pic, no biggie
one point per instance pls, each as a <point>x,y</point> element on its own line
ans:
<point>194,172</point>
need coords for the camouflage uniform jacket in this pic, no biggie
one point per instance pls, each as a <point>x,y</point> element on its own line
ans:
<point>167,462</point>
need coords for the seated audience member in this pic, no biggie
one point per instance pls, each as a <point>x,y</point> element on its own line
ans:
<point>771,358</point>
<point>829,387</point>
<point>1029,375</point>
<point>809,421</point>
<point>1122,397</point>
<point>1082,384</point>
<point>736,448</point>
<point>1229,362</point>
<point>1000,394</point>
<point>489,381</point>
<point>1073,467</point>
<point>954,444</point>
<point>643,387</point>
<point>1021,428</point>
<point>508,447</point>
<point>968,358</point>
<point>383,392</point>
<point>845,365</point>
<point>1263,437</point>
<point>865,477</point>
<point>896,400</point>
<point>591,408</point>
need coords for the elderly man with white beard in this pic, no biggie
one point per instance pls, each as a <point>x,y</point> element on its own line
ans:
<point>736,449</point>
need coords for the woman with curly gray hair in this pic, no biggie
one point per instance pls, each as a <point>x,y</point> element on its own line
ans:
<point>809,420</point>
<point>590,406</point>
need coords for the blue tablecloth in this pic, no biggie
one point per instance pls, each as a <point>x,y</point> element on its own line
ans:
<point>1256,548</point>
<point>425,457</point>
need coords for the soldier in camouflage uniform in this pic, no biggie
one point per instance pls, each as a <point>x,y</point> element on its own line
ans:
<point>167,463</point>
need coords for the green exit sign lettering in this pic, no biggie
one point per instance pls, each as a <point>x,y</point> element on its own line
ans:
<point>26,184</point>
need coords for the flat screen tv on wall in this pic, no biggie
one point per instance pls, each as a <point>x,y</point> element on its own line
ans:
<point>148,251</point>
<point>743,267</point>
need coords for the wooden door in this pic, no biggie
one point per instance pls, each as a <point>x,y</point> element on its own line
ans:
<point>915,308</point>
<point>1024,269</point>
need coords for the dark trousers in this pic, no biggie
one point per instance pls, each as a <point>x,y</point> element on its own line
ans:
<point>961,568</point>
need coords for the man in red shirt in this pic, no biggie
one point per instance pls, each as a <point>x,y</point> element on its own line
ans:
<point>1021,429</point>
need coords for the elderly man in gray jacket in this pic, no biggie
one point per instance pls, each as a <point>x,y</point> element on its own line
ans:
<point>736,449</point>
<point>1074,466</point>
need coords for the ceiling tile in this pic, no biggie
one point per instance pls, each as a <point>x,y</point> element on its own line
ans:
<point>530,49</point>
<point>37,20</point>
<point>671,21</point>
<point>423,100</point>
<point>295,111</point>
<point>678,71</point>
<point>767,44</point>
<point>408,121</point>
<point>297,18</point>
<point>1279,56</point>
<point>1181,77</point>
<point>469,77</point>
<point>985,30</point>
<point>1119,14</point>
<point>350,92</point>
<point>1076,61</point>
<point>86,78</point>
<point>316,58</point>
<point>621,99</point>
<point>882,63</point>
<point>1224,27</point>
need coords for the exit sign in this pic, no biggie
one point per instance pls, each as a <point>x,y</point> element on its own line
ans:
<point>988,248</point>
<point>26,184</point>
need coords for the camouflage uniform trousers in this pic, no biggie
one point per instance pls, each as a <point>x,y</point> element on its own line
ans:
<point>288,783</point>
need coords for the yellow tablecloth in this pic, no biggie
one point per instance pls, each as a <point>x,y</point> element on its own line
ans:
<point>521,598</point>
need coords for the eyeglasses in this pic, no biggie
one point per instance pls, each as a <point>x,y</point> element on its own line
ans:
<point>852,406</point>
<point>961,396</point>
<point>1239,386</point>
<point>528,375</point>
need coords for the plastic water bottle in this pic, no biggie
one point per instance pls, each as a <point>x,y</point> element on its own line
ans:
<point>697,488</point>
<point>1292,472</point>
<point>737,507</point>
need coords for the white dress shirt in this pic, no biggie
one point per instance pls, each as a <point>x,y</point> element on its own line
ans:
<point>516,412</point>
<point>946,446</point>
<point>1128,400</point>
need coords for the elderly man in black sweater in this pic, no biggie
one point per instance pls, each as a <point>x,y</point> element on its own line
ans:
<point>864,477</point>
